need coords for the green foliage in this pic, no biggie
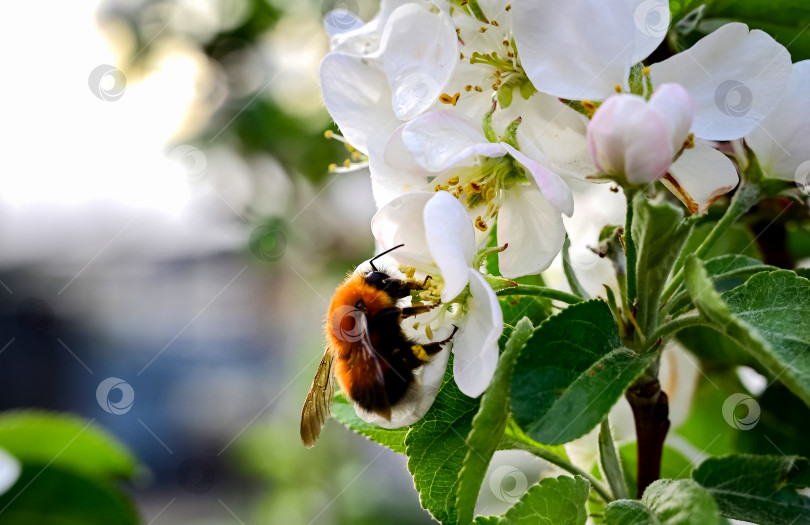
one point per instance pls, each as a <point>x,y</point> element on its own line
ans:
<point>573,370</point>
<point>69,442</point>
<point>536,308</point>
<point>51,495</point>
<point>785,20</point>
<point>344,411</point>
<point>769,316</point>
<point>761,489</point>
<point>489,423</point>
<point>659,232</point>
<point>436,447</point>
<point>553,501</point>
<point>666,502</point>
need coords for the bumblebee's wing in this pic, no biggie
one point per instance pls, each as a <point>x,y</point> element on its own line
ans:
<point>318,404</point>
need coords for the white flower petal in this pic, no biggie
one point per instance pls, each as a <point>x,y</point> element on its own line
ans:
<point>554,129</point>
<point>583,49</point>
<point>554,189</point>
<point>393,172</point>
<point>357,96</point>
<point>782,140</point>
<point>339,22</point>
<point>629,138</point>
<point>735,78</point>
<point>420,52</point>
<point>419,398</point>
<point>475,346</point>
<point>364,40</point>
<point>652,20</point>
<point>672,102</point>
<point>534,230</point>
<point>701,175</point>
<point>451,240</point>
<point>441,139</point>
<point>401,222</point>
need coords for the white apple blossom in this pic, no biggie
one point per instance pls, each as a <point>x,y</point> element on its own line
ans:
<point>443,150</point>
<point>633,139</point>
<point>440,242</point>
<point>782,140</point>
<point>735,77</point>
<point>388,70</point>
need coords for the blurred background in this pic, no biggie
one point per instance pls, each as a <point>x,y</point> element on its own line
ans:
<point>170,235</point>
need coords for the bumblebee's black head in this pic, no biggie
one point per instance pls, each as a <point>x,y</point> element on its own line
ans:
<point>377,279</point>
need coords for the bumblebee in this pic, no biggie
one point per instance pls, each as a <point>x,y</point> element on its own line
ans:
<point>367,350</point>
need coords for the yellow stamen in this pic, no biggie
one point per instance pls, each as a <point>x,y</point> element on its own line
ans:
<point>689,143</point>
<point>461,56</point>
<point>347,163</point>
<point>645,71</point>
<point>356,155</point>
<point>482,30</point>
<point>508,7</point>
<point>588,105</point>
<point>332,167</point>
<point>494,22</point>
<point>479,89</point>
<point>505,42</point>
<point>452,181</point>
<point>328,134</point>
<point>429,332</point>
<point>480,224</point>
<point>468,87</point>
<point>617,88</point>
<point>416,325</point>
<point>444,98</point>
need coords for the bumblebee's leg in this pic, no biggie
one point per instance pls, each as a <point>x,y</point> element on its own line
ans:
<point>410,311</point>
<point>424,352</point>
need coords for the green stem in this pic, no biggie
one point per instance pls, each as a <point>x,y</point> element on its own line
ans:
<point>746,271</point>
<point>630,253</point>
<point>673,326</point>
<point>570,275</point>
<point>539,291</point>
<point>611,464</point>
<point>518,439</point>
<point>747,195</point>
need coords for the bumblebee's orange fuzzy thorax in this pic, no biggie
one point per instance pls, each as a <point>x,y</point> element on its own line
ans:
<point>352,290</point>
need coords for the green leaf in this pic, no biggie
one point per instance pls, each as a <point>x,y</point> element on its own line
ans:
<point>489,423</point>
<point>667,502</point>
<point>436,447</point>
<point>659,232</point>
<point>343,411</point>
<point>680,8</point>
<point>769,316</point>
<point>630,512</point>
<point>553,501</point>
<point>516,307</point>
<point>761,489</point>
<point>72,443</point>
<point>673,466</point>
<point>785,20</point>
<point>727,271</point>
<point>610,462</point>
<point>573,370</point>
<point>49,495</point>
<point>737,240</point>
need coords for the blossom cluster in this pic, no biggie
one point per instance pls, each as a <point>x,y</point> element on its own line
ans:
<point>474,116</point>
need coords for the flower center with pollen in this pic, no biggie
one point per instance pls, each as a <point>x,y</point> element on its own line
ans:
<point>483,186</point>
<point>489,58</point>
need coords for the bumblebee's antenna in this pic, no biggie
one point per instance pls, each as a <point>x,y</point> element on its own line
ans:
<point>371,262</point>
